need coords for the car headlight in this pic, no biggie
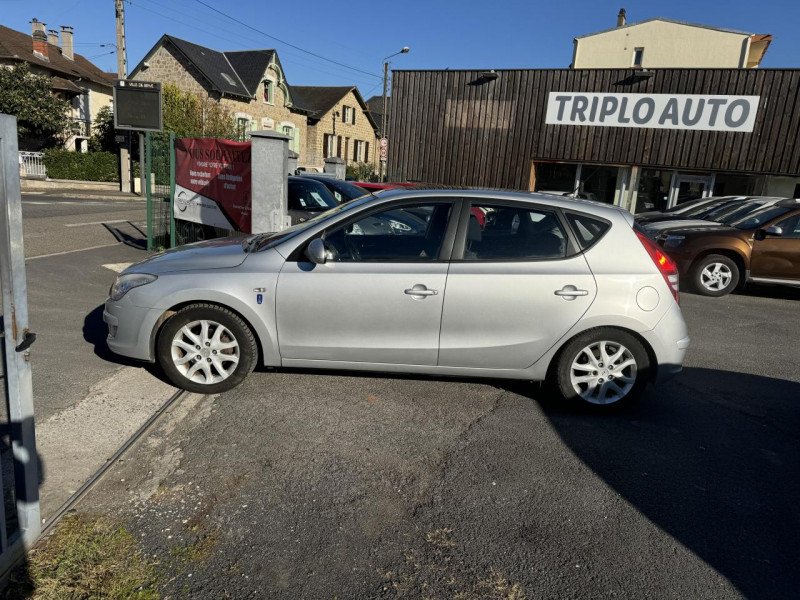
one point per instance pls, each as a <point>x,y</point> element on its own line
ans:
<point>126,282</point>
<point>673,240</point>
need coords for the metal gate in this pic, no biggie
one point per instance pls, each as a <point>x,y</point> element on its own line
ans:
<point>19,462</point>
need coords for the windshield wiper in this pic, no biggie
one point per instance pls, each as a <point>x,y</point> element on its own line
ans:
<point>249,244</point>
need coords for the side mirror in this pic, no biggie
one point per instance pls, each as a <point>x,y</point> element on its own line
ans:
<point>315,252</point>
<point>774,231</point>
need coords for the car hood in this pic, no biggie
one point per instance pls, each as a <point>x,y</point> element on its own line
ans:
<point>223,253</point>
<point>682,223</point>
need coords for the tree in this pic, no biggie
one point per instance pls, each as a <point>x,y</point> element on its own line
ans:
<point>103,132</point>
<point>193,115</point>
<point>42,118</point>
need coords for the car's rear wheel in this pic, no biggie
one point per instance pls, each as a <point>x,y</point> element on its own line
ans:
<point>601,368</point>
<point>206,349</point>
<point>715,275</point>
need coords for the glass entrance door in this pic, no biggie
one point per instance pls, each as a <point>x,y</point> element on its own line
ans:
<point>690,187</point>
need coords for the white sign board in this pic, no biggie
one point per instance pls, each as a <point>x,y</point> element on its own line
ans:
<point>657,111</point>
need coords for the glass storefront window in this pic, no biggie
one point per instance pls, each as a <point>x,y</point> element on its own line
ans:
<point>653,190</point>
<point>598,183</point>
<point>734,184</point>
<point>555,177</point>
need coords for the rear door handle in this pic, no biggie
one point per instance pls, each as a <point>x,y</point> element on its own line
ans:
<point>421,290</point>
<point>570,292</point>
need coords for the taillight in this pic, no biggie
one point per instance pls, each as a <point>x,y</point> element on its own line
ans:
<point>666,266</point>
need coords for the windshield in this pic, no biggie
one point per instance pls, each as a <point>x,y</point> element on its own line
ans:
<point>758,218</point>
<point>262,241</point>
<point>689,207</point>
<point>706,211</point>
<point>343,191</point>
<point>735,212</point>
<point>309,195</point>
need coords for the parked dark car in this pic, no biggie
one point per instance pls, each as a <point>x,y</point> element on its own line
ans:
<point>308,198</point>
<point>695,209</point>
<point>761,247</point>
<point>343,191</point>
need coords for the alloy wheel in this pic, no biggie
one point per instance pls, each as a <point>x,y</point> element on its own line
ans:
<point>205,352</point>
<point>603,372</point>
<point>716,276</point>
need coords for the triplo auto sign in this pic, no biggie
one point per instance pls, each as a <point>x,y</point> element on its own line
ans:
<point>657,111</point>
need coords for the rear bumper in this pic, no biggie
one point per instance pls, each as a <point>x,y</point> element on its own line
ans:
<point>669,341</point>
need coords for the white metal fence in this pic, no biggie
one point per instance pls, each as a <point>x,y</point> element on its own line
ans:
<point>31,164</point>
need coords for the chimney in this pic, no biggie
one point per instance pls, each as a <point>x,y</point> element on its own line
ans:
<point>52,37</point>
<point>621,18</point>
<point>39,38</point>
<point>66,42</point>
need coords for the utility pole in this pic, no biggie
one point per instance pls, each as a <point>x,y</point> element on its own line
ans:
<point>122,73</point>
<point>385,92</point>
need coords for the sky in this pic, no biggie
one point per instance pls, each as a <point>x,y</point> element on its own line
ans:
<point>440,33</point>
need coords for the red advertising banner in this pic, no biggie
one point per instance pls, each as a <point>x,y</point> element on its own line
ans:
<point>213,182</point>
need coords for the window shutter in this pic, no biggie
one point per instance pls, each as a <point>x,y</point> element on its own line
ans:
<point>346,148</point>
<point>339,147</point>
<point>366,152</point>
<point>297,140</point>
<point>354,116</point>
<point>355,150</point>
<point>326,141</point>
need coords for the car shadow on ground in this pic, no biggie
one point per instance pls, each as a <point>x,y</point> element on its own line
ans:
<point>138,240</point>
<point>95,332</point>
<point>712,459</point>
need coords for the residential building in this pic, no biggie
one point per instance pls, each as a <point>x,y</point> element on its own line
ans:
<point>666,43</point>
<point>249,83</point>
<point>375,106</point>
<point>74,77</point>
<point>339,124</point>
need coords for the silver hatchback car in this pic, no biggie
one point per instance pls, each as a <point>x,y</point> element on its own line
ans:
<point>443,283</point>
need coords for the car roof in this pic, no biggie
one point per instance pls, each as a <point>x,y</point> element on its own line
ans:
<point>598,208</point>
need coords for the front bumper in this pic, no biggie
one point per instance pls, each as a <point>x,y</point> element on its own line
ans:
<point>130,328</point>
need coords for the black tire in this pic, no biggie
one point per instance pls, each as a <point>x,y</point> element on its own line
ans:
<point>237,331</point>
<point>715,275</point>
<point>560,376</point>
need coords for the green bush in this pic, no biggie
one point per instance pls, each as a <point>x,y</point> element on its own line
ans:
<point>362,172</point>
<point>92,166</point>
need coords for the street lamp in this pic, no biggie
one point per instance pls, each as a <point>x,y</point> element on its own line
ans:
<point>385,87</point>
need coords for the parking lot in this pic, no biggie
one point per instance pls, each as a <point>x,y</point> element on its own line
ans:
<point>323,485</point>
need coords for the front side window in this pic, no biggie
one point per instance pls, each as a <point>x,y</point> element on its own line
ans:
<point>513,233</point>
<point>310,196</point>
<point>790,227</point>
<point>407,233</point>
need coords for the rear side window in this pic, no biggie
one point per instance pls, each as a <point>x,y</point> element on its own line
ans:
<point>513,233</point>
<point>588,230</point>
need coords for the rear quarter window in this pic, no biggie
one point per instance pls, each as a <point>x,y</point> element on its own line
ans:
<point>588,230</point>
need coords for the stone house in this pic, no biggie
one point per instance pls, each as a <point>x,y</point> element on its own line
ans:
<point>74,78</point>
<point>339,124</point>
<point>250,83</point>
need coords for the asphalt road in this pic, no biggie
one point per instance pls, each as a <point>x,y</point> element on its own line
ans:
<point>324,485</point>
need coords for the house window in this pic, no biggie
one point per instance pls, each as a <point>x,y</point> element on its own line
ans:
<point>360,151</point>
<point>638,56</point>
<point>269,91</point>
<point>327,145</point>
<point>290,130</point>
<point>243,127</point>
<point>348,115</point>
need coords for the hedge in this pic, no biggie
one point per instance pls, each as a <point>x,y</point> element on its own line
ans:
<point>91,166</point>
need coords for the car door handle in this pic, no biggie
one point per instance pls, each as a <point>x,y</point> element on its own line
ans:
<point>421,290</point>
<point>570,292</point>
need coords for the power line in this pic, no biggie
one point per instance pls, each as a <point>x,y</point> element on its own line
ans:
<point>238,42</point>
<point>272,37</point>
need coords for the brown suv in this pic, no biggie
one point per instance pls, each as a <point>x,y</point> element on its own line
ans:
<point>762,247</point>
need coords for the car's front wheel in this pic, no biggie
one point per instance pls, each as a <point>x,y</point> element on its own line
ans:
<point>715,275</point>
<point>206,349</point>
<point>601,368</point>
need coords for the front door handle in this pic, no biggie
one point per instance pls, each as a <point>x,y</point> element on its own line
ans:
<point>421,290</point>
<point>570,292</point>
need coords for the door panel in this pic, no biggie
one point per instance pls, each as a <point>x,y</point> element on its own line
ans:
<point>360,312</point>
<point>507,315</point>
<point>778,256</point>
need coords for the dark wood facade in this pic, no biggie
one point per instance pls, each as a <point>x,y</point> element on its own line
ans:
<point>459,128</point>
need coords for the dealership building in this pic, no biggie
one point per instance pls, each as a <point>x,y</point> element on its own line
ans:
<point>639,138</point>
